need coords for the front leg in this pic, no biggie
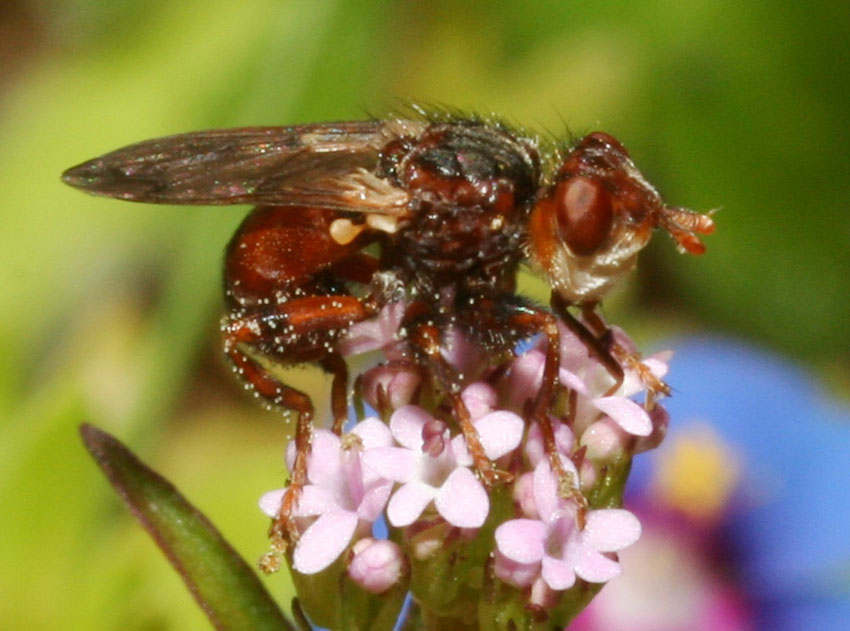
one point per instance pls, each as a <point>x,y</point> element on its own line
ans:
<point>597,338</point>
<point>496,322</point>
<point>425,340</point>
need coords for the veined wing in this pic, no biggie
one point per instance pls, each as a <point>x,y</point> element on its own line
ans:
<point>328,165</point>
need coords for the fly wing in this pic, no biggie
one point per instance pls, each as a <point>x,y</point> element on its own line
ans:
<point>327,165</point>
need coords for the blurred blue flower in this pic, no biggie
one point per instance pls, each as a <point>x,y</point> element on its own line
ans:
<point>745,506</point>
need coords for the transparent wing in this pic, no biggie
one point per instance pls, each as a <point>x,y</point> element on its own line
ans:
<point>327,165</point>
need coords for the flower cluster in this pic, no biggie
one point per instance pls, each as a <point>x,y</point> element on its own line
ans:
<point>551,529</point>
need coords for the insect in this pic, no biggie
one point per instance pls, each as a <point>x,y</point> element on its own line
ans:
<point>448,207</point>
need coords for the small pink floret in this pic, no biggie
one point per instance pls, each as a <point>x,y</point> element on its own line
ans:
<point>377,565</point>
<point>553,548</point>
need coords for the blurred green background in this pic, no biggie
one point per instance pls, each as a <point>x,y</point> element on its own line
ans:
<point>110,310</point>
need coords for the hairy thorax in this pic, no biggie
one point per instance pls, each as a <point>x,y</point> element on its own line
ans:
<point>470,195</point>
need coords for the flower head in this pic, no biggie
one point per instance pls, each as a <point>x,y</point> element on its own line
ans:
<point>544,532</point>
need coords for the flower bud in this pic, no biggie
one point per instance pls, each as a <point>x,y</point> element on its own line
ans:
<point>398,381</point>
<point>480,398</point>
<point>434,434</point>
<point>523,494</point>
<point>377,564</point>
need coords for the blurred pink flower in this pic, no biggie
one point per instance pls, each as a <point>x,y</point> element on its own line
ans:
<point>378,333</point>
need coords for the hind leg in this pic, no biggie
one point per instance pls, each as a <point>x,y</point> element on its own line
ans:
<point>300,330</point>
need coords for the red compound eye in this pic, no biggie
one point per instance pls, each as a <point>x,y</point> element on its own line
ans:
<point>584,214</point>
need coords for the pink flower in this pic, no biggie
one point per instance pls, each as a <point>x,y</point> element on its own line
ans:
<point>419,470</point>
<point>524,378</point>
<point>630,416</point>
<point>590,381</point>
<point>460,353</point>
<point>604,439</point>
<point>440,475</point>
<point>552,547</point>
<point>342,496</point>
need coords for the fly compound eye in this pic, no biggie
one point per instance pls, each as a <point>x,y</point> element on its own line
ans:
<point>584,214</point>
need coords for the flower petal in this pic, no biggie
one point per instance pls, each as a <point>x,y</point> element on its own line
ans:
<point>610,529</point>
<point>605,440</point>
<point>391,463</point>
<point>573,351</point>
<point>557,573</point>
<point>549,504</point>
<point>362,337</point>
<point>523,494</point>
<point>659,363</point>
<point>406,425</point>
<point>270,502</point>
<point>573,381</point>
<point>462,500</point>
<point>460,453</point>
<point>374,333</point>
<point>500,432</point>
<point>535,450</point>
<point>479,398</point>
<point>545,491</point>
<point>373,432</point>
<point>408,502</point>
<point>626,413</point>
<point>595,567</point>
<point>372,504</point>
<point>521,540</point>
<point>459,351</point>
<point>633,383</point>
<point>323,542</point>
<point>525,377</point>
<point>316,500</point>
<point>517,574</point>
<point>324,463</point>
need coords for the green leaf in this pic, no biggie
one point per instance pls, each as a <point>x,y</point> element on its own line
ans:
<point>225,586</point>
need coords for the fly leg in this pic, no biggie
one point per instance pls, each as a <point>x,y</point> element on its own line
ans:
<point>513,319</point>
<point>597,338</point>
<point>535,320</point>
<point>303,329</point>
<point>425,340</point>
